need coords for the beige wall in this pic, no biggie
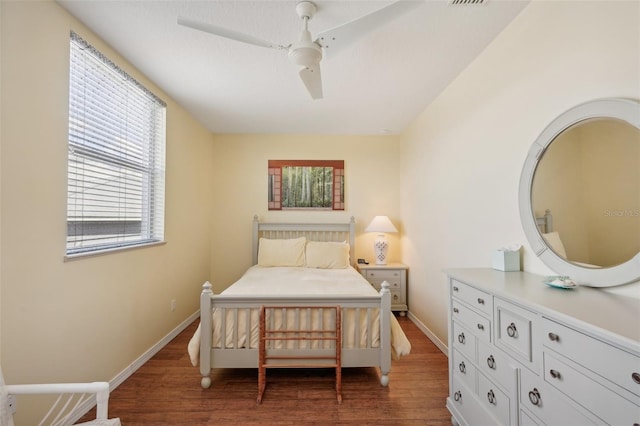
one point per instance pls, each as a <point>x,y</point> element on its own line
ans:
<point>85,319</point>
<point>240,176</point>
<point>461,158</point>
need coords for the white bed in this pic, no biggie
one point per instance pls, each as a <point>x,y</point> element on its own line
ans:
<point>371,334</point>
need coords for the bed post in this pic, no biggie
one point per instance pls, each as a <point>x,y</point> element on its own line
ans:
<point>255,241</point>
<point>385,333</point>
<point>205,334</point>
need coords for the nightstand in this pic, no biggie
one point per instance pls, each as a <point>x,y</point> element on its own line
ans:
<point>396,275</point>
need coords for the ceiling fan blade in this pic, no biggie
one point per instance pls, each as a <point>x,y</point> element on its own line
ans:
<point>337,38</point>
<point>227,33</point>
<point>312,80</point>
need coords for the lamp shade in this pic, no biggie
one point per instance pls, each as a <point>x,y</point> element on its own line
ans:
<point>381,224</point>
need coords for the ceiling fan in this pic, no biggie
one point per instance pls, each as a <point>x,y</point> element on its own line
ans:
<point>306,52</point>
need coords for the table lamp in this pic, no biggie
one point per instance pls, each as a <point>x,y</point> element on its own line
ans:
<point>381,225</point>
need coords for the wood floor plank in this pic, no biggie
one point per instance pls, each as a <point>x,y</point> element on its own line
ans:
<point>166,391</point>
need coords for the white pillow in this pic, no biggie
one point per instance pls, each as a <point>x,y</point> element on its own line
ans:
<point>281,252</point>
<point>327,255</point>
<point>554,241</point>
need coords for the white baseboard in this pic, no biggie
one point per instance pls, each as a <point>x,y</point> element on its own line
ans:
<point>135,365</point>
<point>82,409</point>
<point>430,334</point>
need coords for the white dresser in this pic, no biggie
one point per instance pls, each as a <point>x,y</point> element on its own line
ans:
<point>523,353</point>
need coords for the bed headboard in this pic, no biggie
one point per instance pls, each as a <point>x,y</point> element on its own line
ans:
<point>329,232</point>
<point>545,223</point>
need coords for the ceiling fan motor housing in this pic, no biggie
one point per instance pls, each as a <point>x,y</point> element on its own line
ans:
<point>305,53</point>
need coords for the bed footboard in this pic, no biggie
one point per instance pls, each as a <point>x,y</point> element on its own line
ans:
<point>366,337</point>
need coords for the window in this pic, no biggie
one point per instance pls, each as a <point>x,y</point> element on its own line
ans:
<point>306,184</point>
<point>116,156</point>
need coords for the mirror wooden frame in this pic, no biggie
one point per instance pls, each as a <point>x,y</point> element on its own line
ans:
<point>627,272</point>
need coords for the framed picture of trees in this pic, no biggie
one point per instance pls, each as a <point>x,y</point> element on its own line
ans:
<point>306,184</point>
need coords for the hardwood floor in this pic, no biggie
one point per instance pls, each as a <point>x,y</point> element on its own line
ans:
<point>166,391</point>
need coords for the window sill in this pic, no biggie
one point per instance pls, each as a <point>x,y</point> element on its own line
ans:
<point>77,256</point>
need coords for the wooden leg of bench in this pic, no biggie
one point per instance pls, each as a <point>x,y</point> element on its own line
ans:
<point>262,383</point>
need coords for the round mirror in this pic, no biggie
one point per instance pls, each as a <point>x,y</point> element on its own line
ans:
<point>580,193</point>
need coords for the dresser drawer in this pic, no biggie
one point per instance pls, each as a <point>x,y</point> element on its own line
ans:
<point>480,325</point>
<point>464,341</point>
<point>464,370</point>
<point>496,366</point>
<point>547,404</point>
<point>494,400</point>
<point>609,362</point>
<point>466,403</point>
<point>527,420</point>
<point>515,331</point>
<point>601,401</point>
<point>472,296</point>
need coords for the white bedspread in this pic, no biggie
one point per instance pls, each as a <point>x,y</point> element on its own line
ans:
<point>305,282</point>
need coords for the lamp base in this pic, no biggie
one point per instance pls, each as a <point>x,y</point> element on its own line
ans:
<point>380,247</point>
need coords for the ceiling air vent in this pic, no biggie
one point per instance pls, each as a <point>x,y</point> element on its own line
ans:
<point>466,2</point>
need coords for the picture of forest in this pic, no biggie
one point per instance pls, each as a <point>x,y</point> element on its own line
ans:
<point>304,186</point>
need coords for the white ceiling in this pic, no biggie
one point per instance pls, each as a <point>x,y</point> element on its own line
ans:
<point>378,85</point>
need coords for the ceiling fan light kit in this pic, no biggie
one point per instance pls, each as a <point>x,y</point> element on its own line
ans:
<point>307,52</point>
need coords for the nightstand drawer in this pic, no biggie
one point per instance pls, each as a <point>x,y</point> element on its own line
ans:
<point>384,274</point>
<point>397,297</point>
<point>377,283</point>
<point>392,276</point>
<point>472,296</point>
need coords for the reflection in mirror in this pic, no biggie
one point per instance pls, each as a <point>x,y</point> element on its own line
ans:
<point>584,169</point>
<point>589,178</point>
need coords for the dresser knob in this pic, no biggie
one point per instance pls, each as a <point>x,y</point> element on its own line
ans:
<point>480,301</point>
<point>511,330</point>
<point>491,397</point>
<point>461,338</point>
<point>554,373</point>
<point>491,362</point>
<point>455,289</point>
<point>554,337</point>
<point>457,396</point>
<point>534,396</point>
<point>462,367</point>
<point>636,377</point>
<point>480,327</point>
<point>455,310</point>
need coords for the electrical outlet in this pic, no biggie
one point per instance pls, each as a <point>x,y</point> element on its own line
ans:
<point>12,403</point>
<point>173,305</point>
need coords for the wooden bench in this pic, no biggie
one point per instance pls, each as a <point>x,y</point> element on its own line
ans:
<point>269,336</point>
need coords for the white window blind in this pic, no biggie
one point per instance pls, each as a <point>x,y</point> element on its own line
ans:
<point>115,190</point>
